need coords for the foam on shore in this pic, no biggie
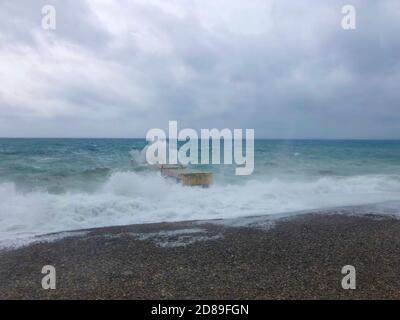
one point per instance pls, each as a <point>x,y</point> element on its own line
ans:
<point>134,198</point>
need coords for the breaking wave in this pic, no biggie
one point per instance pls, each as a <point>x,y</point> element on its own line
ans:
<point>129,198</point>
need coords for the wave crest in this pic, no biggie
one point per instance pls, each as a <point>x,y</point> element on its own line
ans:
<point>129,197</point>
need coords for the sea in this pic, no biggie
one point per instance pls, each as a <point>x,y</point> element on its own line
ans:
<point>53,185</point>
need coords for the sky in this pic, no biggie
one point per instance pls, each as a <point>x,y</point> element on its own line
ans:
<point>118,68</point>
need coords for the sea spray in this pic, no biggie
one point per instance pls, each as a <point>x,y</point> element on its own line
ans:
<point>129,197</point>
<point>49,185</point>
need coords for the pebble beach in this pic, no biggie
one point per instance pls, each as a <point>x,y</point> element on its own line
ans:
<point>297,257</point>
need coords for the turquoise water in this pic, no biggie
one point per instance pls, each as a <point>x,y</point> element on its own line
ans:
<point>59,165</point>
<point>49,185</point>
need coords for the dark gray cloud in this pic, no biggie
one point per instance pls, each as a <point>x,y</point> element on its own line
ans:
<point>119,68</point>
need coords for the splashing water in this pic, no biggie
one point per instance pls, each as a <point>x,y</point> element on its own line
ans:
<point>57,185</point>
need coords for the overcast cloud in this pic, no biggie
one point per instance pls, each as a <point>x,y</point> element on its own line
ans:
<point>118,68</point>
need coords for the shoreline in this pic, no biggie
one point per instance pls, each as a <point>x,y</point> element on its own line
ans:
<point>296,257</point>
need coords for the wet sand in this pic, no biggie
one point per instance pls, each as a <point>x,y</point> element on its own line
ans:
<point>291,258</point>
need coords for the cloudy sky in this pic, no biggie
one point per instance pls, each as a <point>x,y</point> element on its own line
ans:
<point>117,68</point>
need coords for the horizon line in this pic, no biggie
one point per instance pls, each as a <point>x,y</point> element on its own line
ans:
<point>144,138</point>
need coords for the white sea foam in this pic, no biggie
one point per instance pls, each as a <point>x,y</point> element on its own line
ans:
<point>128,198</point>
<point>138,156</point>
